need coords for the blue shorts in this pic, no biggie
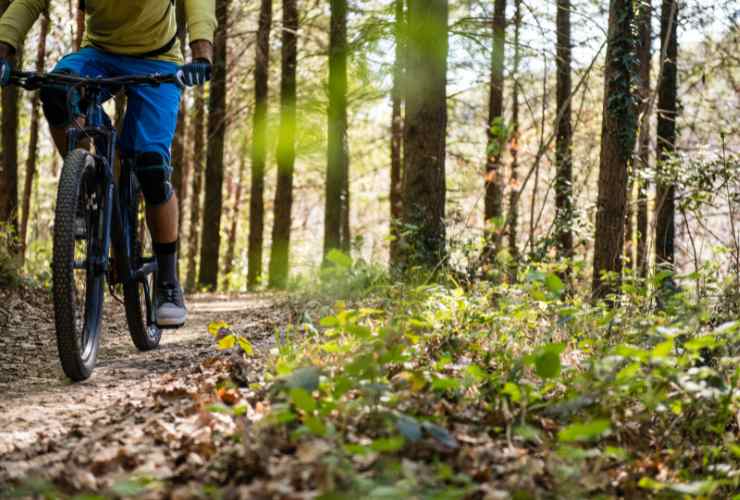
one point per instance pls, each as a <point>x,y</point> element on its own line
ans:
<point>151,112</point>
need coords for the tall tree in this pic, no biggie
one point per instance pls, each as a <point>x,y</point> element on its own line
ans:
<point>644,55</point>
<point>198,141</point>
<point>236,214</point>
<point>259,146</point>
<point>280,251</point>
<point>9,166</point>
<point>514,141</point>
<point>213,203</point>
<point>180,163</point>
<point>665,192</point>
<point>33,140</point>
<point>564,139</point>
<point>496,128</point>
<point>80,25</point>
<point>396,199</point>
<point>425,131</point>
<point>336,215</point>
<point>617,143</point>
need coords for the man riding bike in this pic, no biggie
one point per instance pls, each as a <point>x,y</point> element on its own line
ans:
<point>122,38</point>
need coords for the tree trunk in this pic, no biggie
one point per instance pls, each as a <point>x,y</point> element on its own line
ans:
<point>179,165</point>
<point>80,24</point>
<point>259,147</point>
<point>496,131</point>
<point>665,227</point>
<point>280,251</point>
<point>617,143</point>
<point>9,166</point>
<point>211,242</point>
<point>644,54</point>
<point>235,216</point>
<point>199,120</point>
<point>564,139</point>
<point>336,216</point>
<point>33,139</point>
<point>424,182</point>
<point>399,70</point>
<point>514,143</point>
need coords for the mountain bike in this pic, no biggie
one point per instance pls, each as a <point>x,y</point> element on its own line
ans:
<point>99,228</point>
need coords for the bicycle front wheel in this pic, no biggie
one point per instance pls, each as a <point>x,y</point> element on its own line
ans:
<point>77,274</point>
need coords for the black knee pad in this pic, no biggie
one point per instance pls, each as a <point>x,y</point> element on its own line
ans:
<point>58,111</point>
<point>154,174</point>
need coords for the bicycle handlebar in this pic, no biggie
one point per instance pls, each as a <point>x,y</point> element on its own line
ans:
<point>34,81</point>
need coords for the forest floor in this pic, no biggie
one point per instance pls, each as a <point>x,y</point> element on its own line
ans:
<point>138,412</point>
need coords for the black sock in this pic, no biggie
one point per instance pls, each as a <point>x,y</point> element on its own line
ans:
<point>166,262</point>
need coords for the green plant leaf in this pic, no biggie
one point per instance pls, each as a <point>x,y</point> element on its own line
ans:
<point>246,346</point>
<point>227,342</point>
<point>339,259</point>
<point>554,283</point>
<point>584,431</point>
<point>302,400</point>
<point>441,435</point>
<point>409,428</point>
<point>306,378</point>
<point>388,445</point>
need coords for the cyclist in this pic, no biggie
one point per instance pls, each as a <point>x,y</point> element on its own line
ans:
<point>131,37</point>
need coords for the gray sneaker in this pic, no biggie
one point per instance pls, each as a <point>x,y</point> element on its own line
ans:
<point>171,310</point>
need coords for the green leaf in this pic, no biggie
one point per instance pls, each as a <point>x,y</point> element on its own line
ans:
<point>512,390</point>
<point>409,428</point>
<point>547,361</point>
<point>360,331</point>
<point>441,435</point>
<point>584,431</point>
<point>128,488</point>
<point>339,259</point>
<point>306,378</point>
<point>302,400</point>
<point>554,283</point>
<point>388,445</point>
<point>663,349</point>
<point>227,342</point>
<point>329,322</point>
<point>315,425</point>
<point>246,346</point>
<point>446,384</point>
<point>527,432</point>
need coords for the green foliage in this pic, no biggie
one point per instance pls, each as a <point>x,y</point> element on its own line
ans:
<point>8,261</point>
<point>414,374</point>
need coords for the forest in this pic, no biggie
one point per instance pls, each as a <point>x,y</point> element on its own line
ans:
<point>433,249</point>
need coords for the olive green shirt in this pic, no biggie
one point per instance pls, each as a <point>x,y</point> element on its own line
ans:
<point>126,27</point>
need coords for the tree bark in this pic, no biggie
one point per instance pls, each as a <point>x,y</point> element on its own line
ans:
<point>425,132</point>
<point>179,165</point>
<point>514,143</point>
<point>280,251</point>
<point>198,128</point>
<point>665,226</point>
<point>235,216</point>
<point>617,143</point>
<point>9,166</point>
<point>259,147</point>
<point>33,139</point>
<point>399,70</point>
<point>644,55</point>
<point>564,138</point>
<point>211,241</point>
<point>496,130</point>
<point>80,26</point>
<point>336,216</point>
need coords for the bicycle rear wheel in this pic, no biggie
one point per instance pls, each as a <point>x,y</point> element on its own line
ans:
<point>138,296</point>
<point>77,275</point>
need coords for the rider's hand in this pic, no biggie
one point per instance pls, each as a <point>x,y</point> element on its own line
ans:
<point>197,72</point>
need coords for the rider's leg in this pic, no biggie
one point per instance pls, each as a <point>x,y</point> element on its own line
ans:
<point>148,130</point>
<point>64,109</point>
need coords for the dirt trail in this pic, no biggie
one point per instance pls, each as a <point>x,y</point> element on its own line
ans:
<point>46,422</point>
